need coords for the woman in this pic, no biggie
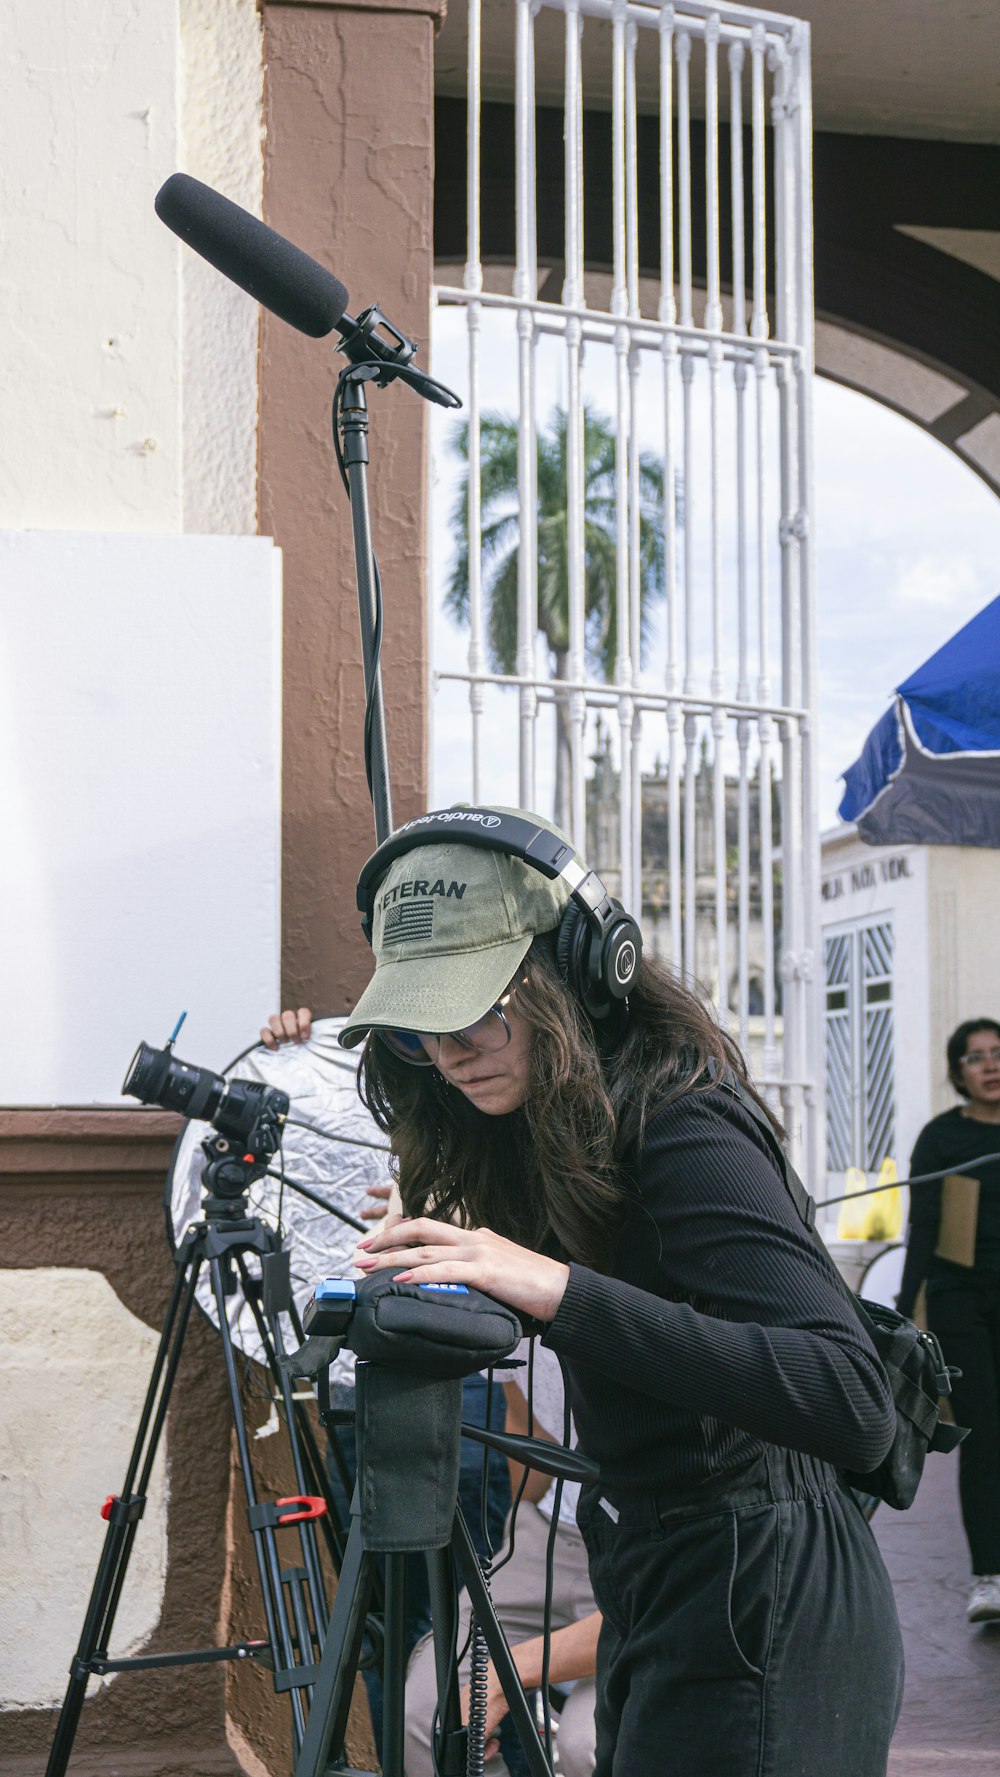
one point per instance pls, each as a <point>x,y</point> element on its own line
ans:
<point>602,1179</point>
<point>954,1248</point>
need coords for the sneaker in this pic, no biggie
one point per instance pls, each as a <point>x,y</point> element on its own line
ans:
<point>984,1604</point>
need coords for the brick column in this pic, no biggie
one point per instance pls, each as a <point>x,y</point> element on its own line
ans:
<point>349,177</point>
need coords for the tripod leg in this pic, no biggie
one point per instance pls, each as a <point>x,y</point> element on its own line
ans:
<point>451,1740</point>
<point>394,1680</point>
<point>269,1331</point>
<point>124,1513</point>
<point>265,1547</point>
<point>500,1654</point>
<point>334,1687</point>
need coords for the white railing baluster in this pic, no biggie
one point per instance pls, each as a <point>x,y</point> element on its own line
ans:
<point>668,314</point>
<point>713,304</point>
<point>812,972</point>
<point>526,289</point>
<point>713,324</point>
<point>739,321</point>
<point>683,50</point>
<point>573,295</point>
<point>473,282</point>
<point>620,309</point>
<point>791,835</point>
<point>758,53</point>
<point>634,507</point>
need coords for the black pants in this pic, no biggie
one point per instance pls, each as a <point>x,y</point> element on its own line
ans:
<point>749,1629</point>
<point>963,1309</point>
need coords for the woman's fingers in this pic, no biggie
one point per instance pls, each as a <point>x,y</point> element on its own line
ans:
<point>287,1027</point>
<point>415,1231</point>
<point>378,1204</point>
<point>416,1258</point>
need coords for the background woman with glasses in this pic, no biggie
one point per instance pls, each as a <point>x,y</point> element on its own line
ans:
<point>953,1249</point>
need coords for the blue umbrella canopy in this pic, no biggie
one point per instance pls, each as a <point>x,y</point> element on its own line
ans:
<point>929,772</point>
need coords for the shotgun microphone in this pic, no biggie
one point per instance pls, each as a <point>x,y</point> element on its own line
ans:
<point>261,262</point>
<point>297,289</point>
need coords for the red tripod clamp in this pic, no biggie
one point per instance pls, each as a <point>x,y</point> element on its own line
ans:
<point>315,1507</point>
<point>271,1514</point>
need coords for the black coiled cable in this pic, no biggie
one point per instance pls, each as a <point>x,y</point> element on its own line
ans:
<point>475,1764</point>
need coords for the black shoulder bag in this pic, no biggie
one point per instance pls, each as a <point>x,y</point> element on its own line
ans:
<point>912,1359</point>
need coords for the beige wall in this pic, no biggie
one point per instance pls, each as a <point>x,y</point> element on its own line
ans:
<point>964,912</point>
<point>81,1191</point>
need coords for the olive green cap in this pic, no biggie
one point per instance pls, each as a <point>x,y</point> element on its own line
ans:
<point>452,925</point>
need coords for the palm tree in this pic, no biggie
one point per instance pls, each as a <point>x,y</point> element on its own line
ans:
<point>500,532</point>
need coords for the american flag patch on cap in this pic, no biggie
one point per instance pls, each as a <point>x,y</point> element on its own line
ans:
<point>408,920</point>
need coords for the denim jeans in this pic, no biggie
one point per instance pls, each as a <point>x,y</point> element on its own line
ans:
<point>749,1628</point>
<point>486,1530</point>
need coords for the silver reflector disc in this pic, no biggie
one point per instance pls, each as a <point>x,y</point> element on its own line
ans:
<point>320,1079</point>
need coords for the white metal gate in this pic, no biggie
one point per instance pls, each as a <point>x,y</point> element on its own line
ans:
<point>860,1047</point>
<point>726,695</point>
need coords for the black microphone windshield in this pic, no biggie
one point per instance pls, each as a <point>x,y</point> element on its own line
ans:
<point>263,263</point>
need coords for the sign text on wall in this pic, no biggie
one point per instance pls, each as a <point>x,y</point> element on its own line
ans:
<point>865,876</point>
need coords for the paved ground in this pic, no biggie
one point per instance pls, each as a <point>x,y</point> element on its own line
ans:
<point>950,1724</point>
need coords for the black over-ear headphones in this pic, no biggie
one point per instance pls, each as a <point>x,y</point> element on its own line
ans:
<point>598,944</point>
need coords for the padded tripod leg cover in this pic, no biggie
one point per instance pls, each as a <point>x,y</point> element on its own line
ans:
<point>409,1436</point>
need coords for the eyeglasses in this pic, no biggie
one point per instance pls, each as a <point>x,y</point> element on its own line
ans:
<point>422,1048</point>
<point>980,1057</point>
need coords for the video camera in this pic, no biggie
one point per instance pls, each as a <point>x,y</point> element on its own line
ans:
<point>248,1115</point>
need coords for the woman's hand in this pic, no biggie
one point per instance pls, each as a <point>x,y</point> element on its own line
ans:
<point>287,1027</point>
<point>426,1251</point>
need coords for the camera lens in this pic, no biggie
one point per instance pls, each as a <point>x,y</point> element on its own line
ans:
<point>157,1077</point>
<point>146,1072</point>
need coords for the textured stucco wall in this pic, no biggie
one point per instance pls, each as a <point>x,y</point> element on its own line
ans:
<point>74,1365</point>
<point>127,367</point>
<point>221,143</point>
<point>89,300</point>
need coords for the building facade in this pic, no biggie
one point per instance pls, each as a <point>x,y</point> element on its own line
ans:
<point>907,956</point>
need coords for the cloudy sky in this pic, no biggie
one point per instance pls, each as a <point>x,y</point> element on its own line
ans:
<point>908,549</point>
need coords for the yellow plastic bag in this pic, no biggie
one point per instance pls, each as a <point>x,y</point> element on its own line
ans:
<point>887,1207</point>
<point>851,1214</point>
<point>876,1216</point>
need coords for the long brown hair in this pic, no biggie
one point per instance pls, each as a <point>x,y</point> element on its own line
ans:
<point>551,1171</point>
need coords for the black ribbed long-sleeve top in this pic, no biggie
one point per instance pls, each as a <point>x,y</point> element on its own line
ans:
<point>718,1327</point>
<point>958,1143</point>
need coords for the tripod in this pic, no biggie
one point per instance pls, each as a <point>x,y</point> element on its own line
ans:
<point>294,1598</point>
<point>408,1426</point>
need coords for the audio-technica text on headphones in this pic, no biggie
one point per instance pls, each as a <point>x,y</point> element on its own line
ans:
<point>598,944</point>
